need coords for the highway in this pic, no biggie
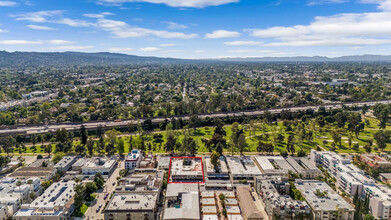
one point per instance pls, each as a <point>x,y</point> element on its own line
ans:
<point>92,125</point>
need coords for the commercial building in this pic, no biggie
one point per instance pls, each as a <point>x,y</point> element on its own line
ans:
<point>133,159</point>
<point>222,172</point>
<point>304,167</point>
<point>24,173</point>
<point>186,170</point>
<point>141,180</point>
<point>182,202</point>
<point>324,201</point>
<point>132,206</point>
<point>65,163</point>
<point>56,203</point>
<point>78,165</point>
<point>163,162</point>
<point>385,177</point>
<point>273,165</point>
<point>274,193</point>
<point>247,205</point>
<point>375,161</point>
<point>149,161</point>
<point>105,166</point>
<point>242,168</point>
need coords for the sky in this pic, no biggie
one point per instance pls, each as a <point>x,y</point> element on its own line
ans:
<point>198,28</point>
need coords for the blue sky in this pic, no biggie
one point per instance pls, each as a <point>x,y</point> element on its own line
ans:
<point>198,28</point>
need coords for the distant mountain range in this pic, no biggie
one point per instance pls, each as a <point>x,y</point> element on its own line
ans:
<point>357,58</point>
<point>62,59</point>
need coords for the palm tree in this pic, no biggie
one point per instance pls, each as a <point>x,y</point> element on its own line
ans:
<point>18,184</point>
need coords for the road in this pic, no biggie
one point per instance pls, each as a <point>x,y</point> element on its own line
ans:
<point>39,129</point>
<point>91,213</point>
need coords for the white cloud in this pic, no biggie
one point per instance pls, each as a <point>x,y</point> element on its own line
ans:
<point>173,25</point>
<point>331,42</point>
<point>121,29</point>
<point>7,3</point>
<point>70,47</point>
<point>74,23</point>
<point>243,43</point>
<point>149,49</point>
<point>39,27</point>
<point>175,3</point>
<point>19,42</point>
<point>39,16</point>
<point>60,42</point>
<point>222,34</point>
<point>119,49</point>
<point>100,15</point>
<point>347,29</point>
<point>167,45</point>
<point>55,16</point>
<point>199,51</point>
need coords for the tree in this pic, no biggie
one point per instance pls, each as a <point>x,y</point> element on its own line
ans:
<point>381,137</point>
<point>89,189</point>
<point>242,145</point>
<point>80,149</point>
<point>79,195</point>
<point>368,148</point>
<point>219,148</point>
<point>121,146</point>
<point>61,135</point>
<point>48,149</point>
<point>238,139</point>
<point>336,137</point>
<point>83,135</point>
<point>171,143</point>
<point>355,198</point>
<point>290,145</point>
<point>90,146</point>
<point>219,127</point>
<point>98,180</point>
<point>214,160</point>
<point>111,136</point>
<point>341,119</point>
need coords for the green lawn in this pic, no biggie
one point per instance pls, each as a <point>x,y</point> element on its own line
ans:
<point>320,134</point>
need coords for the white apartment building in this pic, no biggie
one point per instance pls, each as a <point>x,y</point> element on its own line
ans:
<point>133,159</point>
<point>351,179</point>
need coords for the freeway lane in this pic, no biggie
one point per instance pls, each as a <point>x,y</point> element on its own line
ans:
<point>39,129</point>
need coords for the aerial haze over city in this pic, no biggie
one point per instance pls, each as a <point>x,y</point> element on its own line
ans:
<point>195,109</point>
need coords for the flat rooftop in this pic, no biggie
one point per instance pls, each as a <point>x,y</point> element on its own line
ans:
<point>132,202</point>
<point>210,168</point>
<point>173,189</point>
<point>273,164</point>
<point>99,163</point>
<point>242,166</point>
<point>320,196</point>
<point>189,206</point>
<point>58,194</point>
<point>186,169</point>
